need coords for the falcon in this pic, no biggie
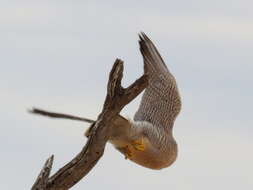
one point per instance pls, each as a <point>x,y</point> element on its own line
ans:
<point>148,139</point>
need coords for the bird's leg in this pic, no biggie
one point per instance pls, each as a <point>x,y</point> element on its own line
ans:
<point>138,137</point>
<point>120,128</point>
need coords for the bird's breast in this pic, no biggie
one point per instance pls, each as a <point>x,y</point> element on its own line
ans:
<point>149,156</point>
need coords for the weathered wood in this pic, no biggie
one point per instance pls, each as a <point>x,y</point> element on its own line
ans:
<point>59,115</point>
<point>117,97</point>
<point>42,179</point>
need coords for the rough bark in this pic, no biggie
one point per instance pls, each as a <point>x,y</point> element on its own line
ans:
<point>42,179</point>
<point>117,97</point>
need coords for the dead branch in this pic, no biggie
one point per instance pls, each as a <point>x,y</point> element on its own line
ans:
<point>59,115</point>
<point>41,182</point>
<point>117,97</point>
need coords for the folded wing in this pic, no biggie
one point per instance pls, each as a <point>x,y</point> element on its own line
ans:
<point>160,102</point>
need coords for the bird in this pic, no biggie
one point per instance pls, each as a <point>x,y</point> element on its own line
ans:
<point>147,139</point>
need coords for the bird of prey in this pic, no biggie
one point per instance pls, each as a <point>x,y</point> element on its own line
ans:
<point>148,139</point>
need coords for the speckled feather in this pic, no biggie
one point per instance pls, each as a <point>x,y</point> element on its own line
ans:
<point>161,101</point>
<point>153,121</point>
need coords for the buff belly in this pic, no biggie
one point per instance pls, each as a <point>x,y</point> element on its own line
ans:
<point>143,153</point>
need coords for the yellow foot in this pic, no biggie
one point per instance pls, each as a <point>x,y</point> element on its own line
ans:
<point>138,144</point>
<point>128,153</point>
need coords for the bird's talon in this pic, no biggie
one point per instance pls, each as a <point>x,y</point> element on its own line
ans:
<point>138,145</point>
<point>128,153</point>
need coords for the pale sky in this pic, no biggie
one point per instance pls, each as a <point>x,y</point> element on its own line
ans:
<point>57,55</point>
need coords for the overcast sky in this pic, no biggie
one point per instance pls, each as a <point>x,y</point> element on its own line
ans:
<point>57,55</point>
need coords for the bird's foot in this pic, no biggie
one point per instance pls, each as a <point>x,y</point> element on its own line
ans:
<point>127,152</point>
<point>138,144</point>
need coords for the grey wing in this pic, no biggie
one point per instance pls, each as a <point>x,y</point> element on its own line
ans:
<point>160,102</point>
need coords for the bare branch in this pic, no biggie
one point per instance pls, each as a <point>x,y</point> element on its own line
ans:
<point>59,115</point>
<point>116,74</point>
<point>42,179</point>
<point>136,88</point>
<point>117,97</point>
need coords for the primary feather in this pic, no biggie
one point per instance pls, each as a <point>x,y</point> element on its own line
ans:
<point>161,102</point>
<point>156,147</point>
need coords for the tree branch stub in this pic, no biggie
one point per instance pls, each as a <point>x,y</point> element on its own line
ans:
<point>117,97</point>
<point>42,179</point>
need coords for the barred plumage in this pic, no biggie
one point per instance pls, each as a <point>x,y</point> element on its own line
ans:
<point>148,140</point>
<point>161,102</point>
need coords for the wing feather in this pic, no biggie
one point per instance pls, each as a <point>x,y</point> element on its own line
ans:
<point>161,101</point>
